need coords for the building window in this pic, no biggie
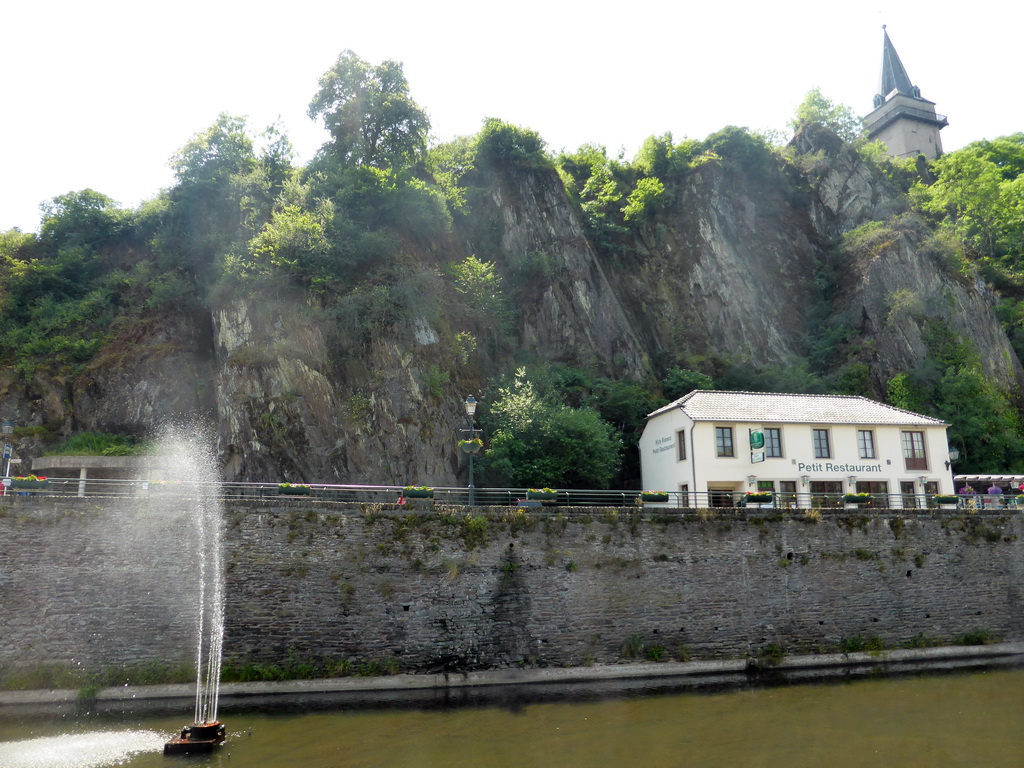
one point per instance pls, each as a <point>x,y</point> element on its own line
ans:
<point>681,445</point>
<point>773,443</point>
<point>913,450</point>
<point>723,441</point>
<point>822,449</point>
<point>866,444</point>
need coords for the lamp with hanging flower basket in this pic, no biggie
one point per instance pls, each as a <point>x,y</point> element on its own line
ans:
<point>471,446</point>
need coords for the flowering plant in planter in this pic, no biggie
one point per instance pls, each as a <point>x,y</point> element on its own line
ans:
<point>944,498</point>
<point>856,498</point>
<point>294,489</point>
<point>541,493</point>
<point>654,496</point>
<point>418,492</point>
<point>471,446</point>
<point>28,482</point>
<point>758,497</point>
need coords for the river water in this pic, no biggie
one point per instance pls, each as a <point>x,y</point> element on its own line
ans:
<point>970,719</point>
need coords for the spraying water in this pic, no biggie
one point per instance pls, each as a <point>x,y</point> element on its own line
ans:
<point>192,468</point>
<point>156,592</point>
<point>96,749</point>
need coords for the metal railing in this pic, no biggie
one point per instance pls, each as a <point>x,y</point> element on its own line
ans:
<point>505,497</point>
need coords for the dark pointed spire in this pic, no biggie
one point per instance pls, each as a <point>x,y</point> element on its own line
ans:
<point>894,76</point>
<point>906,123</point>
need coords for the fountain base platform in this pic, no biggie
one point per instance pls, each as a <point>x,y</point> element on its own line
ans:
<point>196,739</point>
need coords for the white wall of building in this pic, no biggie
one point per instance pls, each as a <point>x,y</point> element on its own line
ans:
<point>702,470</point>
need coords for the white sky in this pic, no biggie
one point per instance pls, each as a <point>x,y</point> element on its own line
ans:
<point>101,94</point>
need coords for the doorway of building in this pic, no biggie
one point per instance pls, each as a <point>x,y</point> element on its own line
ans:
<point>826,493</point>
<point>879,492</point>
<point>909,497</point>
<point>722,497</point>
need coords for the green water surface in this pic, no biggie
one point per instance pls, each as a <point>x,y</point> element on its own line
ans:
<point>974,720</point>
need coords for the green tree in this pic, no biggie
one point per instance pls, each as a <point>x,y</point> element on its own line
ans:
<point>984,426</point>
<point>204,217</point>
<point>841,119</point>
<point>500,143</point>
<point>644,200</point>
<point>277,156</point>
<point>682,381</point>
<point>598,185</point>
<point>535,442</point>
<point>950,384</point>
<point>83,218</point>
<point>294,242</point>
<point>369,113</point>
<point>979,193</point>
<point>659,156</point>
<point>449,163</point>
<point>209,160</point>
<point>483,295</point>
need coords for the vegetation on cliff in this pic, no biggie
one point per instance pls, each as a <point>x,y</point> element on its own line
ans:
<point>382,238</point>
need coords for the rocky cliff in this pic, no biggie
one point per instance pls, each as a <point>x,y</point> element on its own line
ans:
<point>758,263</point>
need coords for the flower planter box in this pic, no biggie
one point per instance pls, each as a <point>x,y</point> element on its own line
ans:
<point>30,485</point>
<point>294,490</point>
<point>759,498</point>
<point>542,495</point>
<point>418,493</point>
<point>654,497</point>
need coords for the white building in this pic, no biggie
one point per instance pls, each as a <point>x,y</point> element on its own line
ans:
<point>713,447</point>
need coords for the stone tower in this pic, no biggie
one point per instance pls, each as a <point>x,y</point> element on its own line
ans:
<point>902,120</point>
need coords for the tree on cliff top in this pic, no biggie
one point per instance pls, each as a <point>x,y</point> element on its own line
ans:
<point>369,113</point>
<point>816,108</point>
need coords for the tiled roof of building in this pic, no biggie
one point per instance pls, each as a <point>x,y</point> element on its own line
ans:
<point>773,407</point>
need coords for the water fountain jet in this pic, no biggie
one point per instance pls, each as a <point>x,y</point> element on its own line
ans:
<point>196,461</point>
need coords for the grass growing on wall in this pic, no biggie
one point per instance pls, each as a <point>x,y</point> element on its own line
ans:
<point>299,668</point>
<point>62,677</point>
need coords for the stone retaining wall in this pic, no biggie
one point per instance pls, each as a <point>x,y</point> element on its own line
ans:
<point>83,582</point>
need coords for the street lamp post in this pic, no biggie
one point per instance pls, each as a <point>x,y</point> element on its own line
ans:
<point>470,406</point>
<point>8,431</point>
